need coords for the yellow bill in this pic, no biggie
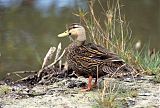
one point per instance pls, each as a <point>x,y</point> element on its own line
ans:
<point>66,33</point>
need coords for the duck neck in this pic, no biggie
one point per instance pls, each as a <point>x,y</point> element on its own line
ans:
<point>78,43</point>
<point>81,37</point>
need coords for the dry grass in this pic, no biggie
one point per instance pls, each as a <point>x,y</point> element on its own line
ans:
<point>113,32</point>
<point>114,94</point>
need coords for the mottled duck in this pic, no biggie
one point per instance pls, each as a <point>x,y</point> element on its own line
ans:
<point>91,60</point>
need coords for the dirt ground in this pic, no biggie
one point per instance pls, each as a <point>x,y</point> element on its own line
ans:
<point>62,95</point>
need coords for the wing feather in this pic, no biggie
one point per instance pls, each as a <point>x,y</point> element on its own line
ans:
<point>100,53</point>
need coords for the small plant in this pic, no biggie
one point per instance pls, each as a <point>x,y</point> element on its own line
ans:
<point>114,95</point>
<point>151,63</point>
<point>4,89</point>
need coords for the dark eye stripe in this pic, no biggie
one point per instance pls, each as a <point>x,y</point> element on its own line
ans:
<point>74,25</point>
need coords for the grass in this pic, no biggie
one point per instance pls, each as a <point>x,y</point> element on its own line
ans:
<point>114,33</point>
<point>4,89</point>
<point>114,95</point>
<point>151,63</point>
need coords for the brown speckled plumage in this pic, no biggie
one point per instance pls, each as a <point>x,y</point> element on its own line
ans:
<point>88,59</point>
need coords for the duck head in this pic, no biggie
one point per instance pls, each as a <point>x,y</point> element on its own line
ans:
<point>75,30</point>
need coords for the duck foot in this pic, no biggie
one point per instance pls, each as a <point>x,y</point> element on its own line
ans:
<point>86,89</point>
<point>89,87</point>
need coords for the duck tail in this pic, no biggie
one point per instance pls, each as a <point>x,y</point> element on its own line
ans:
<point>130,71</point>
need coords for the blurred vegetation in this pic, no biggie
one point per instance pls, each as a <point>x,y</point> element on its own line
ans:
<point>27,32</point>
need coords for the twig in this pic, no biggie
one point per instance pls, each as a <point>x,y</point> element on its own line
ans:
<point>52,64</point>
<point>58,51</point>
<point>121,25</point>
<point>48,56</point>
<point>118,69</point>
<point>59,58</point>
<point>22,72</point>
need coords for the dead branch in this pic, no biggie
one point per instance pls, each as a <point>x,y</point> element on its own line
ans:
<point>48,56</point>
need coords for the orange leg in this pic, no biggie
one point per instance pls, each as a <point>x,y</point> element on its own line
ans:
<point>95,83</point>
<point>89,87</point>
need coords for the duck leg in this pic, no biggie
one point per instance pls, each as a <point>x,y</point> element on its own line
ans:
<point>89,87</point>
<point>95,83</point>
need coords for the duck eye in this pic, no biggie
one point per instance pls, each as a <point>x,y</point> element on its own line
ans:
<point>69,33</point>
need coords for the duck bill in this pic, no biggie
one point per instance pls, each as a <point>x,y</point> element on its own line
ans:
<point>64,34</point>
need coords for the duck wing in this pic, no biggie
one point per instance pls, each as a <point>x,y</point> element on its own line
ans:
<point>100,53</point>
<point>110,61</point>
